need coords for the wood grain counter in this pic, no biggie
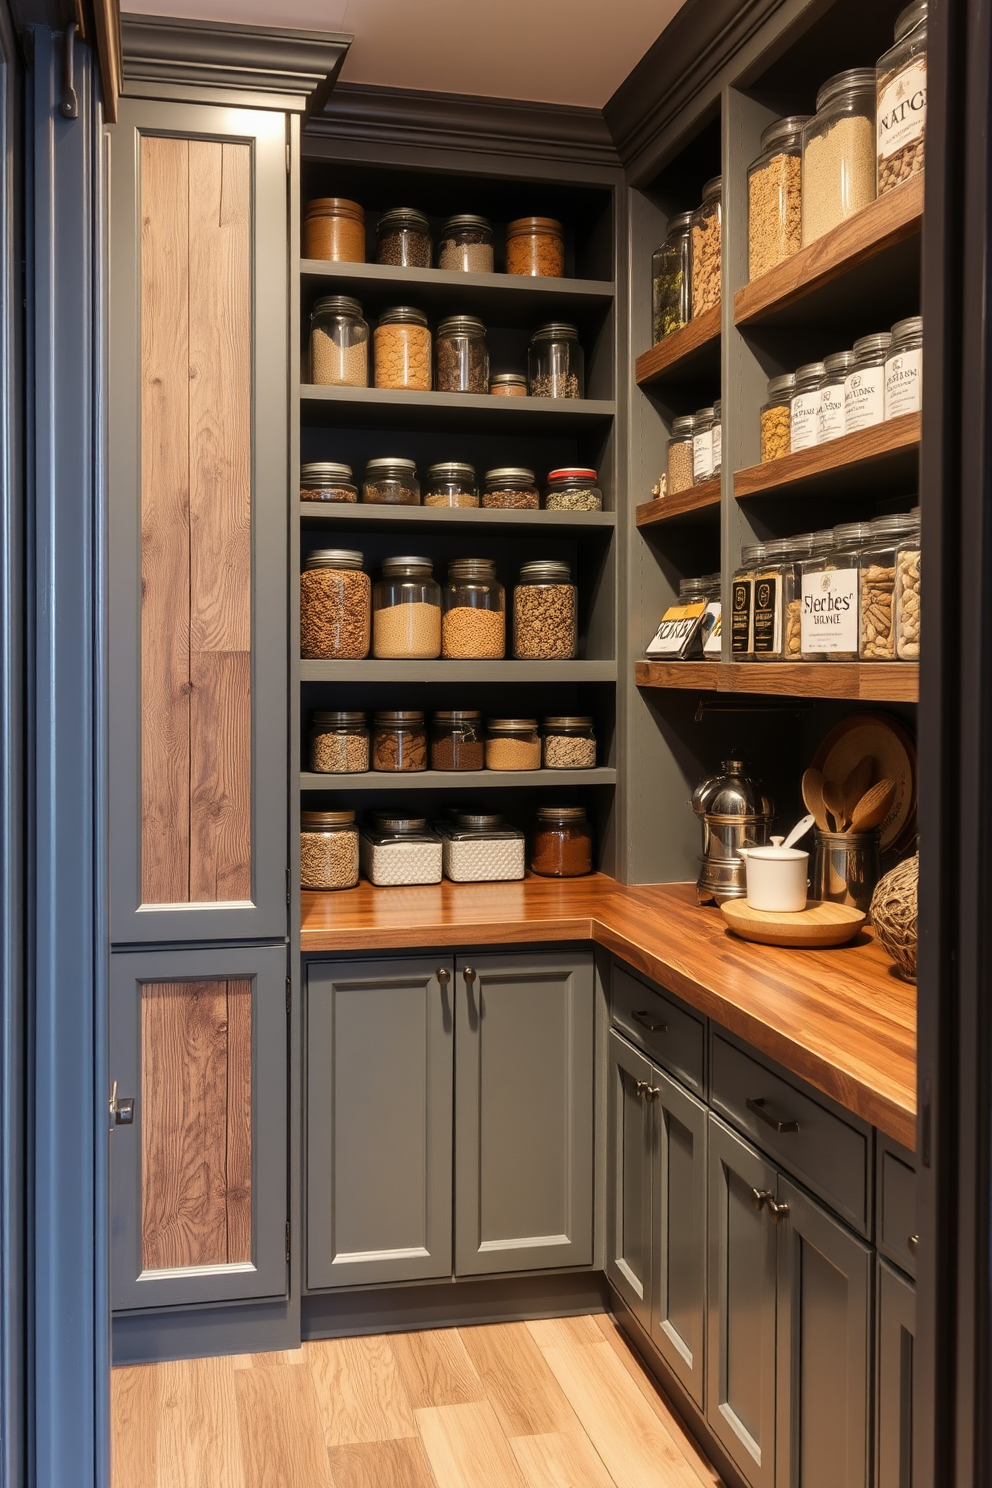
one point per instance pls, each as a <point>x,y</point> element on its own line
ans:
<point>838,1018</point>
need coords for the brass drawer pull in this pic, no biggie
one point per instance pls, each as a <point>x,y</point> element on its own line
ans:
<point>647,1092</point>
<point>759,1198</point>
<point>758,1107</point>
<point>912,1243</point>
<point>443,977</point>
<point>645,1020</point>
<point>776,1211</point>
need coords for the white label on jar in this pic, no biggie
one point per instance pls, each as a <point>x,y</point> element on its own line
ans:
<point>702,456</point>
<point>904,383</point>
<point>902,108</point>
<point>717,446</point>
<point>829,620</point>
<point>864,398</point>
<point>831,412</point>
<point>712,624</point>
<point>805,422</point>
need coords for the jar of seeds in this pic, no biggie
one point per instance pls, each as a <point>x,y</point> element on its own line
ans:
<point>473,624</point>
<point>535,246</point>
<point>339,343</point>
<point>901,101</point>
<point>399,741</point>
<point>403,350</point>
<point>339,743</point>
<point>839,152</point>
<point>457,740</point>
<point>774,195</point>
<point>573,489</point>
<point>671,295</point>
<point>466,244</point>
<point>451,483</point>
<point>908,594</point>
<point>832,385</point>
<point>555,363</point>
<point>864,386</point>
<point>680,477</point>
<point>406,611</point>
<point>569,743</point>
<point>804,422</point>
<point>508,385</point>
<point>707,226</point>
<point>904,368</point>
<point>390,482</point>
<point>742,603</point>
<point>513,744</point>
<point>403,239</point>
<point>328,850</point>
<point>829,618</point>
<point>776,418</point>
<point>877,584</point>
<point>545,612</point>
<point>320,480</point>
<point>334,229</point>
<point>511,488</point>
<point>335,606</point>
<point>461,355</point>
<point>702,446</point>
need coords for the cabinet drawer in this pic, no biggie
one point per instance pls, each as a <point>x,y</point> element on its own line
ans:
<point>671,1035</point>
<point>896,1207</point>
<point>829,1155</point>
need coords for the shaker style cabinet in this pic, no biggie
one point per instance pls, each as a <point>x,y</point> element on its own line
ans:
<point>895,1309</point>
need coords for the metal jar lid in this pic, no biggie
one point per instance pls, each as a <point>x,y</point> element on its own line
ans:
<point>338,718</point>
<point>386,466</point>
<point>398,825</point>
<point>546,570</point>
<point>333,206</point>
<point>781,387</point>
<point>683,426</point>
<point>507,474</point>
<point>342,303</point>
<point>461,325</point>
<point>783,132</point>
<point>568,721</point>
<point>808,374</point>
<point>471,568</point>
<point>897,524</point>
<point>907,330</point>
<point>398,718</point>
<point>508,379</point>
<point>403,218</point>
<point>679,223</point>
<point>511,725</point>
<point>752,554</point>
<point>449,716</point>
<point>867,346</point>
<point>521,225</point>
<point>851,534</point>
<point>402,315</point>
<point>316,821</point>
<point>466,221</point>
<point>907,20</point>
<point>854,80</point>
<point>398,566</point>
<point>556,330</point>
<point>704,415</point>
<point>451,470</point>
<point>561,813</point>
<point>334,558</point>
<point>478,821</point>
<point>712,188</point>
<point>838,361</point>
<point>323,470</point>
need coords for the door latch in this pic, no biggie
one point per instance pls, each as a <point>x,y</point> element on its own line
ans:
<point>121,1108</point>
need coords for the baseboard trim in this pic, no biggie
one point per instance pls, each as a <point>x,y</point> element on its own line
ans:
<point>204,1332</point>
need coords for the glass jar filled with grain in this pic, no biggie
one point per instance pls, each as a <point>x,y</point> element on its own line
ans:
<point>451,483</point>
<point>339,743</point>
<point>776,417</point>
<point>513,744</point>
<point>399,740</point>
<point>511,488</point>
<point>328,850</point>
<point>804,422</point>
<point>335,606</point>
<point>901,100</point>
<point>457,741</point>
<point>800,548</point>
<point>473,623</point>
<point>569,742</point>
<point>403,239</point>
<point>774,196</point>
<point>742,603</point>
<point>680,464</point>
<point>904,368</point>
<point>562,846</point>
<point>833,419</point>
<point>839,152</point>
<point>334,230</point>
<point>829,616</point>
<point>573,488</point>
<point>322,480</point>
<point>864,385</point>
<point>877,584</point>
<point>545,612</point>
<point>908,594</point>
<point>461,355</point>
<point>707,228</point>
<point>339,343</point>
<point>466,244</point>
<point>403,350</point>
<point>391,482</point>
<point>702,446</point>
<point>406,611</point>
<point>535,246</point>
<point>671,292</point>
<point>508,385</point>
<point>555,362</point>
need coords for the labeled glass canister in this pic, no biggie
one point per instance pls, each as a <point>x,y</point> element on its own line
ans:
<point>322,480</point>
<point>328,850</point>
<point>545,612</point>
<point>339,343</point>
<point>403,239</point>
<point>804,421</point>
<point>904,368</point>
<point>466,244</point>
<point>535,246</point>
<point>402,344</point>
<point>742,603</point>
<point>451,483</point>
<point>335,606</point>
<point>864,386</point>
<point>833,419</point>
<point>461,356</point>
<point>877,584</point>
<point>569,742</point>
<point>473,623</point>
<point>334,230</point>
<point>399,740</point>
<point>511,488</point>
<point>508,385</point>
<point>702,446</point>
<point>707,227</point>
<point>829,618</point>
<point>901,100</point>
<point>513,744</point>
<point>555,362</point>
<point>573,488</point>
<point>680,463</point>
<point>908,594</point>
<point>774,196</point>
<point>562,845</point>
<point>391,482</point>
<point>717,438</point>
<point>839,152</point>
<point>671,293</point>
<point>406,610</point>
<point>457,741</point>
<point>800,548</point>
<point>768,625</point>
<point>776,418</point>
<point>339,743</point>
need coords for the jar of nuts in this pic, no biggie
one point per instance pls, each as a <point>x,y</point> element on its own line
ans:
<point>680,464</point>
<point>339,743</point>
<point>535,246</point>
<point>320,480</point>
<point>832,417</point>
<point>391,482</point>
<point>776,417</point>
<point>877,585</point>
<point>403,239</point>
<point>901,100</point>
<point>451,483</point>
<point>406,610</point>
<point>774,196</point>
<point>511,488</point>
<point>545,612</point>
<point>908,594</point>
<point>335,606</point>
<point>339,343</point>
<point>671,297</point>
<point>569,743</point>
<point>804,423</point>
<point>473,623</point>
<point>403,350</point>
<point>555,363</point>
<point>707,226</point>
<point>461,355</point>
<point>328,850</point>
<point>829,615</point>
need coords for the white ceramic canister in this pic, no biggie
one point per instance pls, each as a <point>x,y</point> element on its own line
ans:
<point>776,877</point>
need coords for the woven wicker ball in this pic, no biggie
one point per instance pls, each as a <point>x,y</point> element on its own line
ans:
<point>893,914</point>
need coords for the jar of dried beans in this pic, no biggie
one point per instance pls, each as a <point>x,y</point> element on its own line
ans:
<point>390,482</point>
<point>833,419</point>
<point>406,611</point>
<point>829,617</point>
<point>473,623</point>
<point>901,100</point>
<point>466,244</point>
<point>680,464</point>
<point>545,612</point>
<point>339,343</point>
<point>864,386</point>
<point>451,483</point>
<point>562,842</point>
<point>403,350</point>
<point>457,740</point>
<point>536,246</point>
<point>707,226</point>
<point>555,363</point>
<point>339,743</point>
<point>508,385</point>
<point>877,585</point>
<point>839,152</point>
<point>573,490</point>
<point>569,743</point>
<point>335,606</point>
<point>334,229</point>
<point>399,741</point>
<point>671,297</point>
<point>321,480</point>
<point>774,196</point>
<point>328,850</point>
<point>804,423</point>
<point>512,487</point>
<point>908,594</point>
<point>904,368</point>
<point>403,239</point>
<point>461,355</point>
<point>513,744</point>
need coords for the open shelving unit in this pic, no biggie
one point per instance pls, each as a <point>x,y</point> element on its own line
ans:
<point>882,681</point>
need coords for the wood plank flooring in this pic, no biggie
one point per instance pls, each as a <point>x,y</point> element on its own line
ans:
<point>561,1403</point>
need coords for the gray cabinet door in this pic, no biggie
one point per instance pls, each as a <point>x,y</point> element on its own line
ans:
<point>379,1071</point>
<point>896,1314</point>
<point>740,1367</point>
<point>678,1250</point>
<point>629,1172</point>
<point>524,1112</point>
<point>824,1347</point>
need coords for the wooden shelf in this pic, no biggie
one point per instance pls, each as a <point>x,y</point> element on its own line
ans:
<point>383,408</point>
<point>878,461</point>
<point>700,503</point>
<point>889,220</point>
<point>873,681</point>
<point>339,513</point>
<point>457,779</point>
<point>499,298</point>
<point>413,672</point>
<point>700,337</point>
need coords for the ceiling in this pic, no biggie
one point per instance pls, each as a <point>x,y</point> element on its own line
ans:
<point>545,51</point>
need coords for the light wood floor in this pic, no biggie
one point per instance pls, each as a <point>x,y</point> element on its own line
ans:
<point>557,1404</point>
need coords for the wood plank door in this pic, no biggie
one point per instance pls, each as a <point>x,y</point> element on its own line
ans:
<point>198,464</point>
<point>199,1042</point>
<point>895,1308</point>
<point>678,1229</point>
<point>629,1175</point>
<point>379,1091</point>
<point>523,1112</point>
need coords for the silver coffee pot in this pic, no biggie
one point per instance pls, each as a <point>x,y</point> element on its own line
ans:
<point>735,814</point>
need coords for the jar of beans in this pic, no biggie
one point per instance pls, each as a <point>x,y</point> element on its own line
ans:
<point>512,487</point>
<point>473,624</point>
<point>508,385</point>
<point>406,611</point>
<point>328,850</point>
<point>707,227</point>
<point>335,607</point>
<point>545,612</point>
<point>569,743</point>
<point>391,482</point>
<point>562,842</point>
<point>451,483</point>
<point>403,239</point>
<point>513,744</point>
<point>680,463</point>
<point>555,362</point>
<point>457,740</point>
<point>535,246</point>
<point>776,418</point>
<point>573,489</point>
<point>339,343</point>
<point>403,350</point>
<point>321,480</point>
<point>774,196</point>
<point>466,244</point>
<point>461,355</point>
<point>339,743</point>
<point>334,229</point>
<point>399,740</point>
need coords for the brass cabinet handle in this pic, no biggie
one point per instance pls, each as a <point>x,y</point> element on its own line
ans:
<point>647,1091</point>
<point>776,1211</point>
<point>758,1107</point>
<point>912,1243</point>
<point>469,975</point>
<point>443,977</point>
<point>759,1198</point>
<point>644,1018</point>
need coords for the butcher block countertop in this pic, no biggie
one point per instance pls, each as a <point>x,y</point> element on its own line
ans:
<point>839,1018</point>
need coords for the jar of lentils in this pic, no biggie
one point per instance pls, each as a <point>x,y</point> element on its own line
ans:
<point>451,483</point>
<point>562,842</point>
<point>328,850</point>
<point>508,385</point>
<point>406,611</point>
<point>320,480</point>
<point>335,595</point>
<point>680,464</point>
<point>473,624</point>
<point>776,417</point>
<point>545,612</point>
<point>339,743</point>
<point>573,489</point>
<point>555,363</point>
<point>569,743</point>
<point>403,350</point>
<point>466,244</point>
<point>461,355</point>
<point>403,239</point>
<point>339,343</point>
<point>457,741</point>
<point>707,228</point>
<point>535,246</point>
<point>511,488</point>
<point>390,482</point>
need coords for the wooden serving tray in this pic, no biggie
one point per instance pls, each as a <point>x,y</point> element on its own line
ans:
<point>819,924</point>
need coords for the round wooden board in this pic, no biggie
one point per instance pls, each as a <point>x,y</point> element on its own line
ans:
<point>889,743</point>
<point>819,924</point>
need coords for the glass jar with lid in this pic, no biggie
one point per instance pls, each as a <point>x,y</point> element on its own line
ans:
<point>450,483</point>
<point>513,744</point>
<point>508,385</point>
<point>864,385</point>
<point>335,595</point>
<point>829,616</point>
<point>800,548</point>
<point>908,594</point>
<point>707,227</point>
<point>562,842</point>
<point>839,152</point>
<point>804,422</point>
<point>717,440</point>
<point>776,417</point>
<point>877,584</point>
<point>406,610</point>
<point>339,343</point>
<point>479,847</point>
<point>535,246</point>
<point>334,230</point>
<point>321,480</point>
<point>573,488</point>
<point>457,740</point>
<point>774,196</point>
<point>555,362</point>
<point>901,99</point>
<point>671,293</point>
<point>832,385</point>
<point>399,740</point>
<point>702,446</point>
<point>742,603</point>
<point>403,239</point>
<point>395,849</point>
<point>511,488</point>
<point>473,624</point>
<point>328,850</point>
<point>402,344</point>
<point>391,482</point>
<point>466,244</point>
<point>569,742</point>
<point>904,368</point>
<point>545,612</point>
<point>680,463</point>
<point>339,743</point>
<point>461,356</point>
<point>771,586</point>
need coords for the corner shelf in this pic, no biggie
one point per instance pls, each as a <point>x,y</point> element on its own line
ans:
<point>699,503</point>
<point>454,779</point>
<point>413,672</point>
<point>384,408</point>
<point>876,681</point>
<point>344,514</point>
<point>693,342</point>
<point>878,461</point>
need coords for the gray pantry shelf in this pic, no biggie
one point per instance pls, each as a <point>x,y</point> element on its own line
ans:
<point>332,513</point>
<point>412,672</point>
<point>444,291</point>
<point>442,779</point>
<point>371,407</point>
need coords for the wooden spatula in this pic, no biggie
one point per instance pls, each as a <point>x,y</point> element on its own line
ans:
<point>813,797</point>
<point>874,806</point>
<point>857,783</point>
<point>833,799</point>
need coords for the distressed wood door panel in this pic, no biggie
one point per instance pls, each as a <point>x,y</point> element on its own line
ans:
<point>199,1041</point>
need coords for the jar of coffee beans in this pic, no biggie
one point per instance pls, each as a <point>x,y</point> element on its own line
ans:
<point>403,239</point>
<point>406,619</point>
<point>335,606</point>
<point>545,612</point>
<point>461,355</point>
<point>391,482</point>
<point>328,850</point>
<point>562,842</point>
<point>535,246</point>
<point>512,487</point>
<point>339,743</point>
<point>339,343</point>
<point>403,350</point>
<point>555,362</point>
<point>321,480</point>
<point>473,625</point>
<point>466,244</point>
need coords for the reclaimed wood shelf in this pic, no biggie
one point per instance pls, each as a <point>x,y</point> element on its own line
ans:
<point>700,503</point>
<point>700,337</point>
<point>413,672</point>
<point>517,299</point>
<point>456,779</point>
<point>870,681</point>
<point>878,461</point>
<point>384,408</point>
<point>347,514</point>
<point>886,222</point>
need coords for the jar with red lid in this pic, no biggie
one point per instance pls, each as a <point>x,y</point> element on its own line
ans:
<point>573,488</point>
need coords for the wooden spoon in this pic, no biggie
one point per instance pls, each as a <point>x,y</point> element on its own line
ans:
<point>813,797</point>
<point>833,799</point>
<point>857,783</point>
<point>874,806</point>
